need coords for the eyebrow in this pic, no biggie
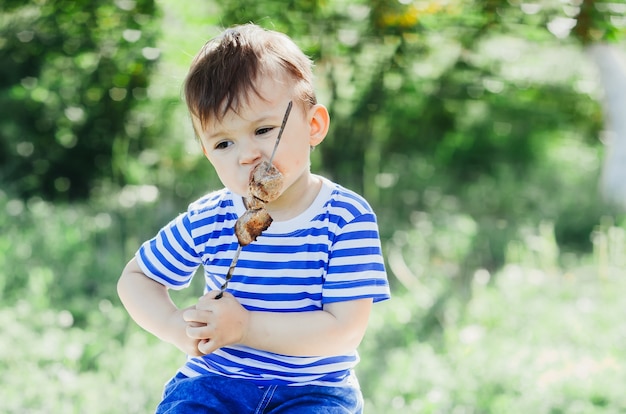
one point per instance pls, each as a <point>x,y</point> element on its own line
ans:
<point>264,117</point>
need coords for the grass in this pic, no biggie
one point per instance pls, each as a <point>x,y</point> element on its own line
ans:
<point>529,341</point>
<point>541,334</point>
<point>506,290</point>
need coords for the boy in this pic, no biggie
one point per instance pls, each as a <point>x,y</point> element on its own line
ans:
<point>283,337</point>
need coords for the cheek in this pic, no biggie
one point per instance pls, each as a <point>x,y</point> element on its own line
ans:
<point>226,175</point>
<point>292,154</point>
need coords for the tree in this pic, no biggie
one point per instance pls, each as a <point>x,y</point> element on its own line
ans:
<point>405,79</point>
<point>71,74</point>
<point>595,29</point>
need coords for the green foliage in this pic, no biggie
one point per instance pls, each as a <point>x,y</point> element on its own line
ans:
<point>599,20</point>
<point>460,123</point>
<point>449,81</point>
<point>61,319</point>
<point>71,77</point>
<point>529,342</point>
<point>540,334</point>
<point>535,336</point>
<point>57,367</point>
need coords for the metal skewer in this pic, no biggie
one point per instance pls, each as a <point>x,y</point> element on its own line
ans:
<point>280,133</point>
<point>233,263</point>
<point>229,274</point>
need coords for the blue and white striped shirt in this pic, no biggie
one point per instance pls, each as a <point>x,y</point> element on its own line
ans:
<point>329,253</point>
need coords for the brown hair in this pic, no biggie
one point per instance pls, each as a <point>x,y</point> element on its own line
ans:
<point>224,72</point>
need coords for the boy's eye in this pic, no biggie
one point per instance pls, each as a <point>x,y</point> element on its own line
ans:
<point>223,145</point>
<point>262,131</point>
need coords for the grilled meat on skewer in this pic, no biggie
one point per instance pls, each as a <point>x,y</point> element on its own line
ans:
<point>253,203</point>
<point>251,224</point>
<point>266,182</point>
<point>264,187</point>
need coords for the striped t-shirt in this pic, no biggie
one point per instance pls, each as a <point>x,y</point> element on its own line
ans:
<point>329,253</point>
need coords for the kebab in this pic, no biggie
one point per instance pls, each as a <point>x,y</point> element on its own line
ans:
<point>264,187</point>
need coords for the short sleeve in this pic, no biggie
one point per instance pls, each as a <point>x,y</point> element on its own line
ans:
<point>356,267</point>
<point>171,258</point>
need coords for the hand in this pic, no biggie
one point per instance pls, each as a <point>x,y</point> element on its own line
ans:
<point>180,338</point>
<point>215,323</point>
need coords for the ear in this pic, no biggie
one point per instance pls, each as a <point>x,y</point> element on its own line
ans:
<point>319,123</point>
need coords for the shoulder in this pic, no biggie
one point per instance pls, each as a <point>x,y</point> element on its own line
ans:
<point>344,201</point>
<point>211,203</point>
<point>214,207</point>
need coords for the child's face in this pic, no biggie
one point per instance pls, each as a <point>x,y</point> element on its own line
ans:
<point>243,139</point>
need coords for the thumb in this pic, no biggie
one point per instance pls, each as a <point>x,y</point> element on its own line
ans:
<point>211,295</point>
<point>206,346</point>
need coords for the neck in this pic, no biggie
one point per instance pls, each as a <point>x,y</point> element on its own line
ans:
<point>296,199</point>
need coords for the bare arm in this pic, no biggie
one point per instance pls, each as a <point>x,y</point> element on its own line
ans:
<point>149,304</point>
<point>336,329</point>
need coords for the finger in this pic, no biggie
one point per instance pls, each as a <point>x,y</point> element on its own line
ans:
<point>192,315</point>
<point>198,332</point>
<point>208,300</point>
<point>206,346</point>
<point>194,350</point>
<point>211,294</point>
<point>204,304</point>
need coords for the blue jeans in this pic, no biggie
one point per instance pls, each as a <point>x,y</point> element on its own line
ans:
<point>219,394</point>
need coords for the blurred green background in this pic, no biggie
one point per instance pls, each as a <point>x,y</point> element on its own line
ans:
<point>475,128</point>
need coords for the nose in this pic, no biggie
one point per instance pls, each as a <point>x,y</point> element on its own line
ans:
<point>249,153</point>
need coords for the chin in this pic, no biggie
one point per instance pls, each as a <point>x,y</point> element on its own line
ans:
<point>239,192</point>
